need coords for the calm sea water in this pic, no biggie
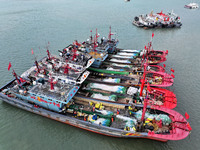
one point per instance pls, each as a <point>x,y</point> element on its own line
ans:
<point>26,24</point>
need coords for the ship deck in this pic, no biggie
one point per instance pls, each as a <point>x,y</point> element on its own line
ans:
<point>60,92</point>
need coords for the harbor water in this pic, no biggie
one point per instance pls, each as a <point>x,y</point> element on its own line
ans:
<point>26,24</point>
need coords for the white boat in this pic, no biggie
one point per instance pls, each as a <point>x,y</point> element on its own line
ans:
<point>192,6</point>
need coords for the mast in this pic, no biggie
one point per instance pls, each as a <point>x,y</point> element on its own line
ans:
<point>96,36</point>
<point>95,44</point>
<point>48,53</point>
<point>109,35</point>
<point>144,109</point>
<point>74,54</point>
<point>51,82</point>
<point>66,69</point>
<point>36,63</point>
<point>15,75</point>
<point>151,42</point>
<point>143,81</point>
<point>91,36</point>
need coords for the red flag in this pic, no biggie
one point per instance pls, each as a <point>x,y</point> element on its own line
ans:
<point>9,66</point>
<point>173,75</point>
<point>189,127</point>
<point>172,70</point>
<point>148,87</point>
<point>152,35</point>
<point>186,115</point>
<point>145,47</point>
<point>167,51</point>
<point>164,65</point>
<point>90,30</point>
<point>32,51</point>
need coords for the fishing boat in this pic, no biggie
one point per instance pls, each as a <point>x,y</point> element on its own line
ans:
<point>150,51</point>
<point>68,68</point>
<point>95,49</point>
<point>112,42</point>
<point>75,59</point>
<point>152,60</point>
<point>158,52</point>
<point>141,52</point>
<point>116,93</point>
<point>192,6</point>
<point>131,68</point>
<point>157,79</point>
<point>158,20</point>
<point>138,121</point>
<point>137,57</point>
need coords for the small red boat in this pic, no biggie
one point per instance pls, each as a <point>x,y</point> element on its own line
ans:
<point>158,52</point>
<point>155,59</point>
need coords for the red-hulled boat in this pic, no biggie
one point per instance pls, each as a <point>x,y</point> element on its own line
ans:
<point>156,59</point>
<point>175,127</point>
<point>158,52</point>
<point>180,126</point>
<point>104,92</point>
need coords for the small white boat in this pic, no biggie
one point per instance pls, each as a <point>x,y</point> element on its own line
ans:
<point>192,6</point>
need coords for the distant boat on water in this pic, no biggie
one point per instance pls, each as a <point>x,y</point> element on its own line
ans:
<point>192,6</point>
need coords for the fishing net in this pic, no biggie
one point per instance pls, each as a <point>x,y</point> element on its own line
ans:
<point>104,97</point>
<point>127,54</point>
<point>130,122</point>
<point>106,113</point>
<point>121,61</point>
<point>131,50</point>
<point>132,90</point>
<point>119,65</point>
<point>110,68</point>
<point>102,121</point>
<point>117,89</point>
<point>115,80</point>
<point>165,119</point>
<point>121,56</point>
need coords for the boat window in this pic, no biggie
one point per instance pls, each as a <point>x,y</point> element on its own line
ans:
<point>50,99</point>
